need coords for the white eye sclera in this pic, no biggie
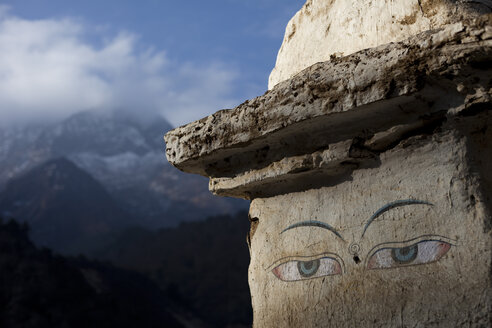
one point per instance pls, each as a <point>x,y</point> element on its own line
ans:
<point>302,270</point>
<point>420,253</point>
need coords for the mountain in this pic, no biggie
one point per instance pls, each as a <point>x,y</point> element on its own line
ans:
<point>39,289</point>
<point>126,154</point>
<point>18,153</point>
<point>204,264</point>
<point>67,209</point>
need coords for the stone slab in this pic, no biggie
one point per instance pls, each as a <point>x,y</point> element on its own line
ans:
<point>365,93</point>
<point>321,168</point>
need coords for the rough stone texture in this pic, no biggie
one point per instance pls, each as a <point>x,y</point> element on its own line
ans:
<point>454,291</point>
<point>326,28</point>
<point>373,97</point>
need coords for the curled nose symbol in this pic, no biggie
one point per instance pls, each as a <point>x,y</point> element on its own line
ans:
<point>354,249</point>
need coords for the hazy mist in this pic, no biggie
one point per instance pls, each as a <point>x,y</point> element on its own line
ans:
<point>52,68</point>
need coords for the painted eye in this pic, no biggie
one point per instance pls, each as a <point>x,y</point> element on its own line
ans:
<point>301,270</point>
<point>420,253</point>
<point>308,268</point>
<point>405,255</point>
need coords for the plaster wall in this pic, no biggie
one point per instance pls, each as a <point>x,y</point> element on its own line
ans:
<point>428,203</point>
<point>326,28</point>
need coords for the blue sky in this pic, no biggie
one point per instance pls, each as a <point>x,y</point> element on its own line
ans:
<point>184,59</point>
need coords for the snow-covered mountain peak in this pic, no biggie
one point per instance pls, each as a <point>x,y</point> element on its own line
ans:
<point>126,154</point>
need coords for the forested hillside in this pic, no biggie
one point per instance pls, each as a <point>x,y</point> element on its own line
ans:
<point>204,264</point>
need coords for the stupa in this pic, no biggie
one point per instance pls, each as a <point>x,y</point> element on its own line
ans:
<point>368,165</point>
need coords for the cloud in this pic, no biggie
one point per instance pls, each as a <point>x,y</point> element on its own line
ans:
<point>49,69</point>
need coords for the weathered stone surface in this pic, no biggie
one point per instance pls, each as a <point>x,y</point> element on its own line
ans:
<point>359,281</point>
<point>388,91</point>
<point>264,182</point>
<point>326,28</point>
<point>317,169</point>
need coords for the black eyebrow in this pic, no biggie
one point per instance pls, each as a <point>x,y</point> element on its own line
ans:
<point>393,205</point>
<point>312,223</point>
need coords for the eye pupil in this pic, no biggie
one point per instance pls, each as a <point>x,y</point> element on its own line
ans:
<point>308,268</point>
<point>404,251</point>
<point>404,255</point>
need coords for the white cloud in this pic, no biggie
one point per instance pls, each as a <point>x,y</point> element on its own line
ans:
<point>48,70</point>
